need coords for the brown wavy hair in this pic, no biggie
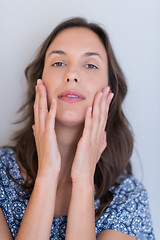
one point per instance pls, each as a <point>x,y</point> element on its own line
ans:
<point>116,157</point>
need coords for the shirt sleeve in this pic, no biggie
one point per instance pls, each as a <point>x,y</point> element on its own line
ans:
<point>129,211</point>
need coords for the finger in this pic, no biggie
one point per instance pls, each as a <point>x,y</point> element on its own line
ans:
<point>87,124</point>
<point>96,105</point>
<point>96,117</point>
<point>42,106</point>
<point>104,107</point>
<point>50,120</point>
<point>104,143</point>
<point>109,99</point>
<point>108,95</point>
<point>36,104</point>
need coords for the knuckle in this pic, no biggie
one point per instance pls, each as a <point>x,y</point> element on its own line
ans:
<point>48,118</point>
<point>50,115</point>
<point>41,106</point>
<point>97,115</point>
<point>35,106</point>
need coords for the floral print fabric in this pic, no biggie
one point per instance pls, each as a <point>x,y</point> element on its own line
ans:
<point>128,212</point>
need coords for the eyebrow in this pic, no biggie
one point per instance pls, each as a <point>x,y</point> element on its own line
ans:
<point>87,54</point>
<point>56,52</point>
<point>92,54</point>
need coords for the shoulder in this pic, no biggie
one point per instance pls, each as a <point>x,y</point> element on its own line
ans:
<point>129,188</point>
<point>129,211</point>
<point>8,165</point>
<point>11,205</point>
<point>6,156</point>
<point>7,161</point>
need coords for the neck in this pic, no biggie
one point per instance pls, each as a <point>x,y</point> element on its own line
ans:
<point>67,139</point>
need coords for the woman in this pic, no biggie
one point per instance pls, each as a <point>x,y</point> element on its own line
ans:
<point>69,173</point>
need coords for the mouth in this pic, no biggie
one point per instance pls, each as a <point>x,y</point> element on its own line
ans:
<point>71,96</point>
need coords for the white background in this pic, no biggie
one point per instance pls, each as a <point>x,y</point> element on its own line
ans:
<point>134,29</point>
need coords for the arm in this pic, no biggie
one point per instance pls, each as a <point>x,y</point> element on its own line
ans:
<point>5,233</point>
<point>37,220</point>
<point>81,217</point>
<point>114,235</point>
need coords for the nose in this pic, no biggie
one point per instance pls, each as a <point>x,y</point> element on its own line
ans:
<point>72,76</point>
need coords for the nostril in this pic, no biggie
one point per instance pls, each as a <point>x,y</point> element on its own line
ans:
<point>75,79</point>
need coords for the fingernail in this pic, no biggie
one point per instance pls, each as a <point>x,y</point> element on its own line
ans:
<point>108,89</point>
<point>90,109</point>
<point>53,100</point>
<point>38,81</point>
<point>100,94</point>
<point>112,95</point>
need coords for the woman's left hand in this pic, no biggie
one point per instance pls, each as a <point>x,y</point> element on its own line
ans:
<point>93,140</point>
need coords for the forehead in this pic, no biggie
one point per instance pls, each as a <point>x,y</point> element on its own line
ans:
<point>77,39</point>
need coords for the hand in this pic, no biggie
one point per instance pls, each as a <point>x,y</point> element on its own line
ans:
<point>49,159</point>
<point>93,141</point>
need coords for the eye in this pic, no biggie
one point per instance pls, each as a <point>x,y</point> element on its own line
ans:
<point>91,66</point>
<point>58,64</point>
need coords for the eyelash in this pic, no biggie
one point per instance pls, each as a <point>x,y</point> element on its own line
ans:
<point>56,64</point>
<point>59,64</point>
<point>93,66</point>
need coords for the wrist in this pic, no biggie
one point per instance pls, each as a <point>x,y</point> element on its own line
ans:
<point>84,185</point>
<point>83,180</point>
<point>47,176</point>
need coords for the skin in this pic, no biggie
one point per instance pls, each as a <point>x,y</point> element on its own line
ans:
<point>70,117</point>
<point>70,137</point>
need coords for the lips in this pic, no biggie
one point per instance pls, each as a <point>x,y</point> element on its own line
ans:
<point>71,96</point>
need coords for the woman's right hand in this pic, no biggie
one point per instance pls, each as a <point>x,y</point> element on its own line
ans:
<point>49,159</point>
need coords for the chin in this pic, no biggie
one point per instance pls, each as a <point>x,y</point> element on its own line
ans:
<point>70,118</point>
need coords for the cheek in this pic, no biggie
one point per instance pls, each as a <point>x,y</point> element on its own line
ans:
<point>49,76</point>
<point>104,79</point>
<point>49,80</point>
<point>100,79</point>
<point>97,85</point>
<point>50,90</point>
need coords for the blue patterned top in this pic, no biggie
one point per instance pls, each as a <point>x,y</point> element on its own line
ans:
<point>128,212</point>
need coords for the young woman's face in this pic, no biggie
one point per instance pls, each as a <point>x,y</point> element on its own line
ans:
<point>76,61</point>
